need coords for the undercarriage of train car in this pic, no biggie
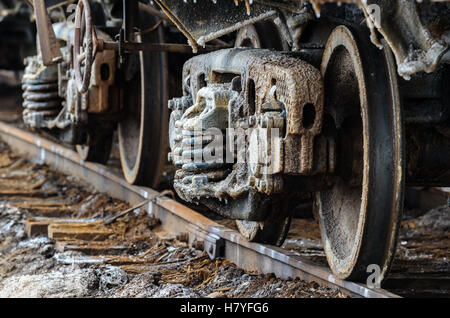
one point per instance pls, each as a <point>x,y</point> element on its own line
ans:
<point>289,102</point>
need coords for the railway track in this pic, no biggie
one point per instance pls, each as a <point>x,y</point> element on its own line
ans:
<point>176,219</point>
<point>355,162</point>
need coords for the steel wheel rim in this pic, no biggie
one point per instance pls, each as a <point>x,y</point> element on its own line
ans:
<point>346,242</point>
<point>130,152</point>
<point>143,151</point>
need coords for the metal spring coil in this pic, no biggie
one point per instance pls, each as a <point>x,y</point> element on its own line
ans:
<point>41,99</point>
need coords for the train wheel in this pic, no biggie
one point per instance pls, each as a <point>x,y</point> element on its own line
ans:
<point>272,231</point>
<point>98,150</point>
<point>360,214</point>
<point>143,131</point>
<point>264,35</point>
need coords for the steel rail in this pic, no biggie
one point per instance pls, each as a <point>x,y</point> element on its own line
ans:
<point>218,241</point>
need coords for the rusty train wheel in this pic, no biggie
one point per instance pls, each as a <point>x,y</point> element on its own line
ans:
<point>273,230</point>
<point>98,149</point>
<point>360,214</point>
<point>143,131</point>
<point>96,153</point>
<point>264,35</point>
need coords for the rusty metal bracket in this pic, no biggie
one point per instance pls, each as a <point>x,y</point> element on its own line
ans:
<point>121,46</point>
<point>190,18</point>
<point>213,244</point>
<point>51,53</point>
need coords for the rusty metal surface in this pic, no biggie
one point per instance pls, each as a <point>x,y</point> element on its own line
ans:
<point>103,76</point>
<point>368,186</point>
<point>83,51</point>
<point>417,47</point>
<point>142,131</point>
<point>265,95</point>
<point>225,18</point>
<point>176,218</point>
<point>156,47</point>
<point>153,11</point>
<point>51,53</point>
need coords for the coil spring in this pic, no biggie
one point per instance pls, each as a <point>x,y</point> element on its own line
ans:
<point>41,101</point>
